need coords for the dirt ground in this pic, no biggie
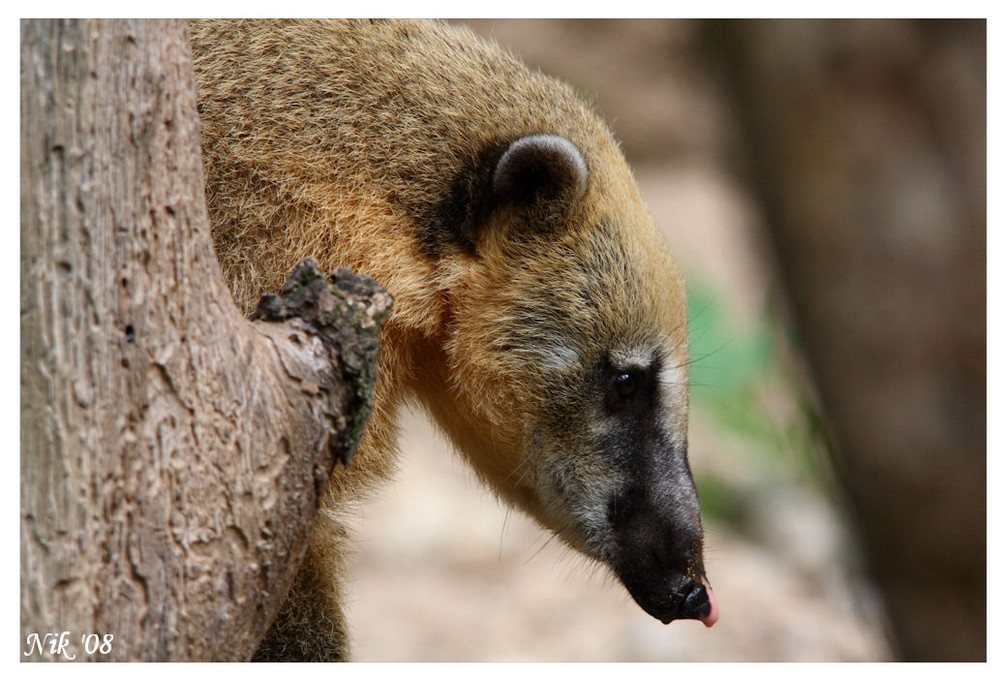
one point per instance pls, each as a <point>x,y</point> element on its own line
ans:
<point>443,572</point>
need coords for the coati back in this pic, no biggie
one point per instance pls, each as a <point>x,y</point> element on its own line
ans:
<point>539,318</point>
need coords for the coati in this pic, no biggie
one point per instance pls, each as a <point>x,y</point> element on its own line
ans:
<point>539,317</point>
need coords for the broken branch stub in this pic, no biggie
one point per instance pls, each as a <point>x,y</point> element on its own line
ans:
<point>345,313</point>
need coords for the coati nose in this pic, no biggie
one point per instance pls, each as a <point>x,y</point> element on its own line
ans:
<point>672,597</point>
<point>698,603</point>
<point>691,600</point>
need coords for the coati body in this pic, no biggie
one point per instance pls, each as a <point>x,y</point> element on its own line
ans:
<point>539,317</point>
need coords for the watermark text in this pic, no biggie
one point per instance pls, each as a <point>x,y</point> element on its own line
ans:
<point>59,644</point>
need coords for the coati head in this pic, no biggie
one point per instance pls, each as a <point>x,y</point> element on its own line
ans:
<point>565,351</point>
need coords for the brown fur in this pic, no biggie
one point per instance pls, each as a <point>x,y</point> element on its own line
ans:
<point>360,143</point>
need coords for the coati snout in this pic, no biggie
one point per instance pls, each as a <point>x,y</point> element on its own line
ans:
<point>658,555</point>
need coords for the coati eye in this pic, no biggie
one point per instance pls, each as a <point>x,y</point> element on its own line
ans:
<point>625,384</point>
<point>624,387</point>
<point>629,383</point>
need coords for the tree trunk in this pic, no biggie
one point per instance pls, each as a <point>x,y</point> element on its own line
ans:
<point>172,453</point>
<point>867,145</point>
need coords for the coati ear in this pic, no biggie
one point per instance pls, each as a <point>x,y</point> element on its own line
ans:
<point>539,176</point>
<point>540,169</point>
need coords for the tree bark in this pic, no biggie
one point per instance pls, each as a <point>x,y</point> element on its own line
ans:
<point>867,145</point>
<point>172,453</point>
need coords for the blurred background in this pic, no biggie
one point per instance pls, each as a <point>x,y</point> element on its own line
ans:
<point>822,185</point>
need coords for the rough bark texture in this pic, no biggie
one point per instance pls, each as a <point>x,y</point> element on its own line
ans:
<point>172,453</point>
<point>867,147</point>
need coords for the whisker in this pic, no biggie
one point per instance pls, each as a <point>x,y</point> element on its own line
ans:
<point>540,548</point>
<point>503,529</point>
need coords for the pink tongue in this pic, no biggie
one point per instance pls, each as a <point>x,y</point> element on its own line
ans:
<point>713,607</point>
